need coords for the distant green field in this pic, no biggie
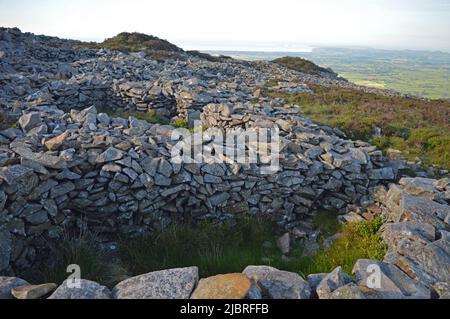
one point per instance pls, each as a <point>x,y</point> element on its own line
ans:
<point>426,81</point>
<point>419,73</point>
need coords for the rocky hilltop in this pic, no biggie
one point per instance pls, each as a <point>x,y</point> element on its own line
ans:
<point>70,159</point>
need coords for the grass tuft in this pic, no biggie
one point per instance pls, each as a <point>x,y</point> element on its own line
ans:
<point>358,241</point>
<point>81,252</point>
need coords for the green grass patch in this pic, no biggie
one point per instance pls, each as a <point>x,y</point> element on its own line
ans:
<point>215,249</point>
<point>358,241</point>
<point>180,123</point>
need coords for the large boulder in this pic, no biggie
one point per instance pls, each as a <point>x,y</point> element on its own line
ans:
<point>278,284</point>
<point>387,281</point>
<point>429,263</point>
<point>229,286</point>
<point>86,290</point>
<point>421,187</point>
<point>165,284</point>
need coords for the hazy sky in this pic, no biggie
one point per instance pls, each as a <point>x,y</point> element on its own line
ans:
<point>238,24</point>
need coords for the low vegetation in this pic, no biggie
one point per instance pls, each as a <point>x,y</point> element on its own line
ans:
<point>217,249</point>
<point>79,251</point>
<point>357,241</point>
<point>180,123</point>
<point>419,128</point>
<point>302,65</point>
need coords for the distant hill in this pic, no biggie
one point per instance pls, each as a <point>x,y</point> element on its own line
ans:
<point>155,47</point>
<point>304,66</point>
<point>135,42</point>
<point>209,57</point>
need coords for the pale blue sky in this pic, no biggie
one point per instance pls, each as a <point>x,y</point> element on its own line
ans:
<point>235,24</point>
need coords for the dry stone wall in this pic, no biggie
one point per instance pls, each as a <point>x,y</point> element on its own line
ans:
<point>116,175</point>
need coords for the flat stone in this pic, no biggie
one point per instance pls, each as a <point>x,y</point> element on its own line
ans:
<point>218,199</point>
<point>110,155</point>
<point>394,233</point>
<point>165,284</point>
<point>150,165</point>
<point>11,133</point>
<point>44,159</point>
<point>421,187</point>
<point>165,168</point>
<point>112,168</point>
<point>393,283</point>
<point>11,174</point>
<point>130,173</point>
<point>38,168</point>
<point>62,189</point>
<point>9,283</point>
<point>161,180</point>
<point>103,118</point>
<point>173,190</point>
<point>56,142</point>
<point>213,169</point>
<point>432,259</point>
<point>229,286</point>
<point>422,210</point>
<point>211,179</point>
<point>277,284</point>
<point>86,290</point>
<point>33,291</point>
<point>66,174</point>
<point>384,173</point>
<point>30,120</point>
